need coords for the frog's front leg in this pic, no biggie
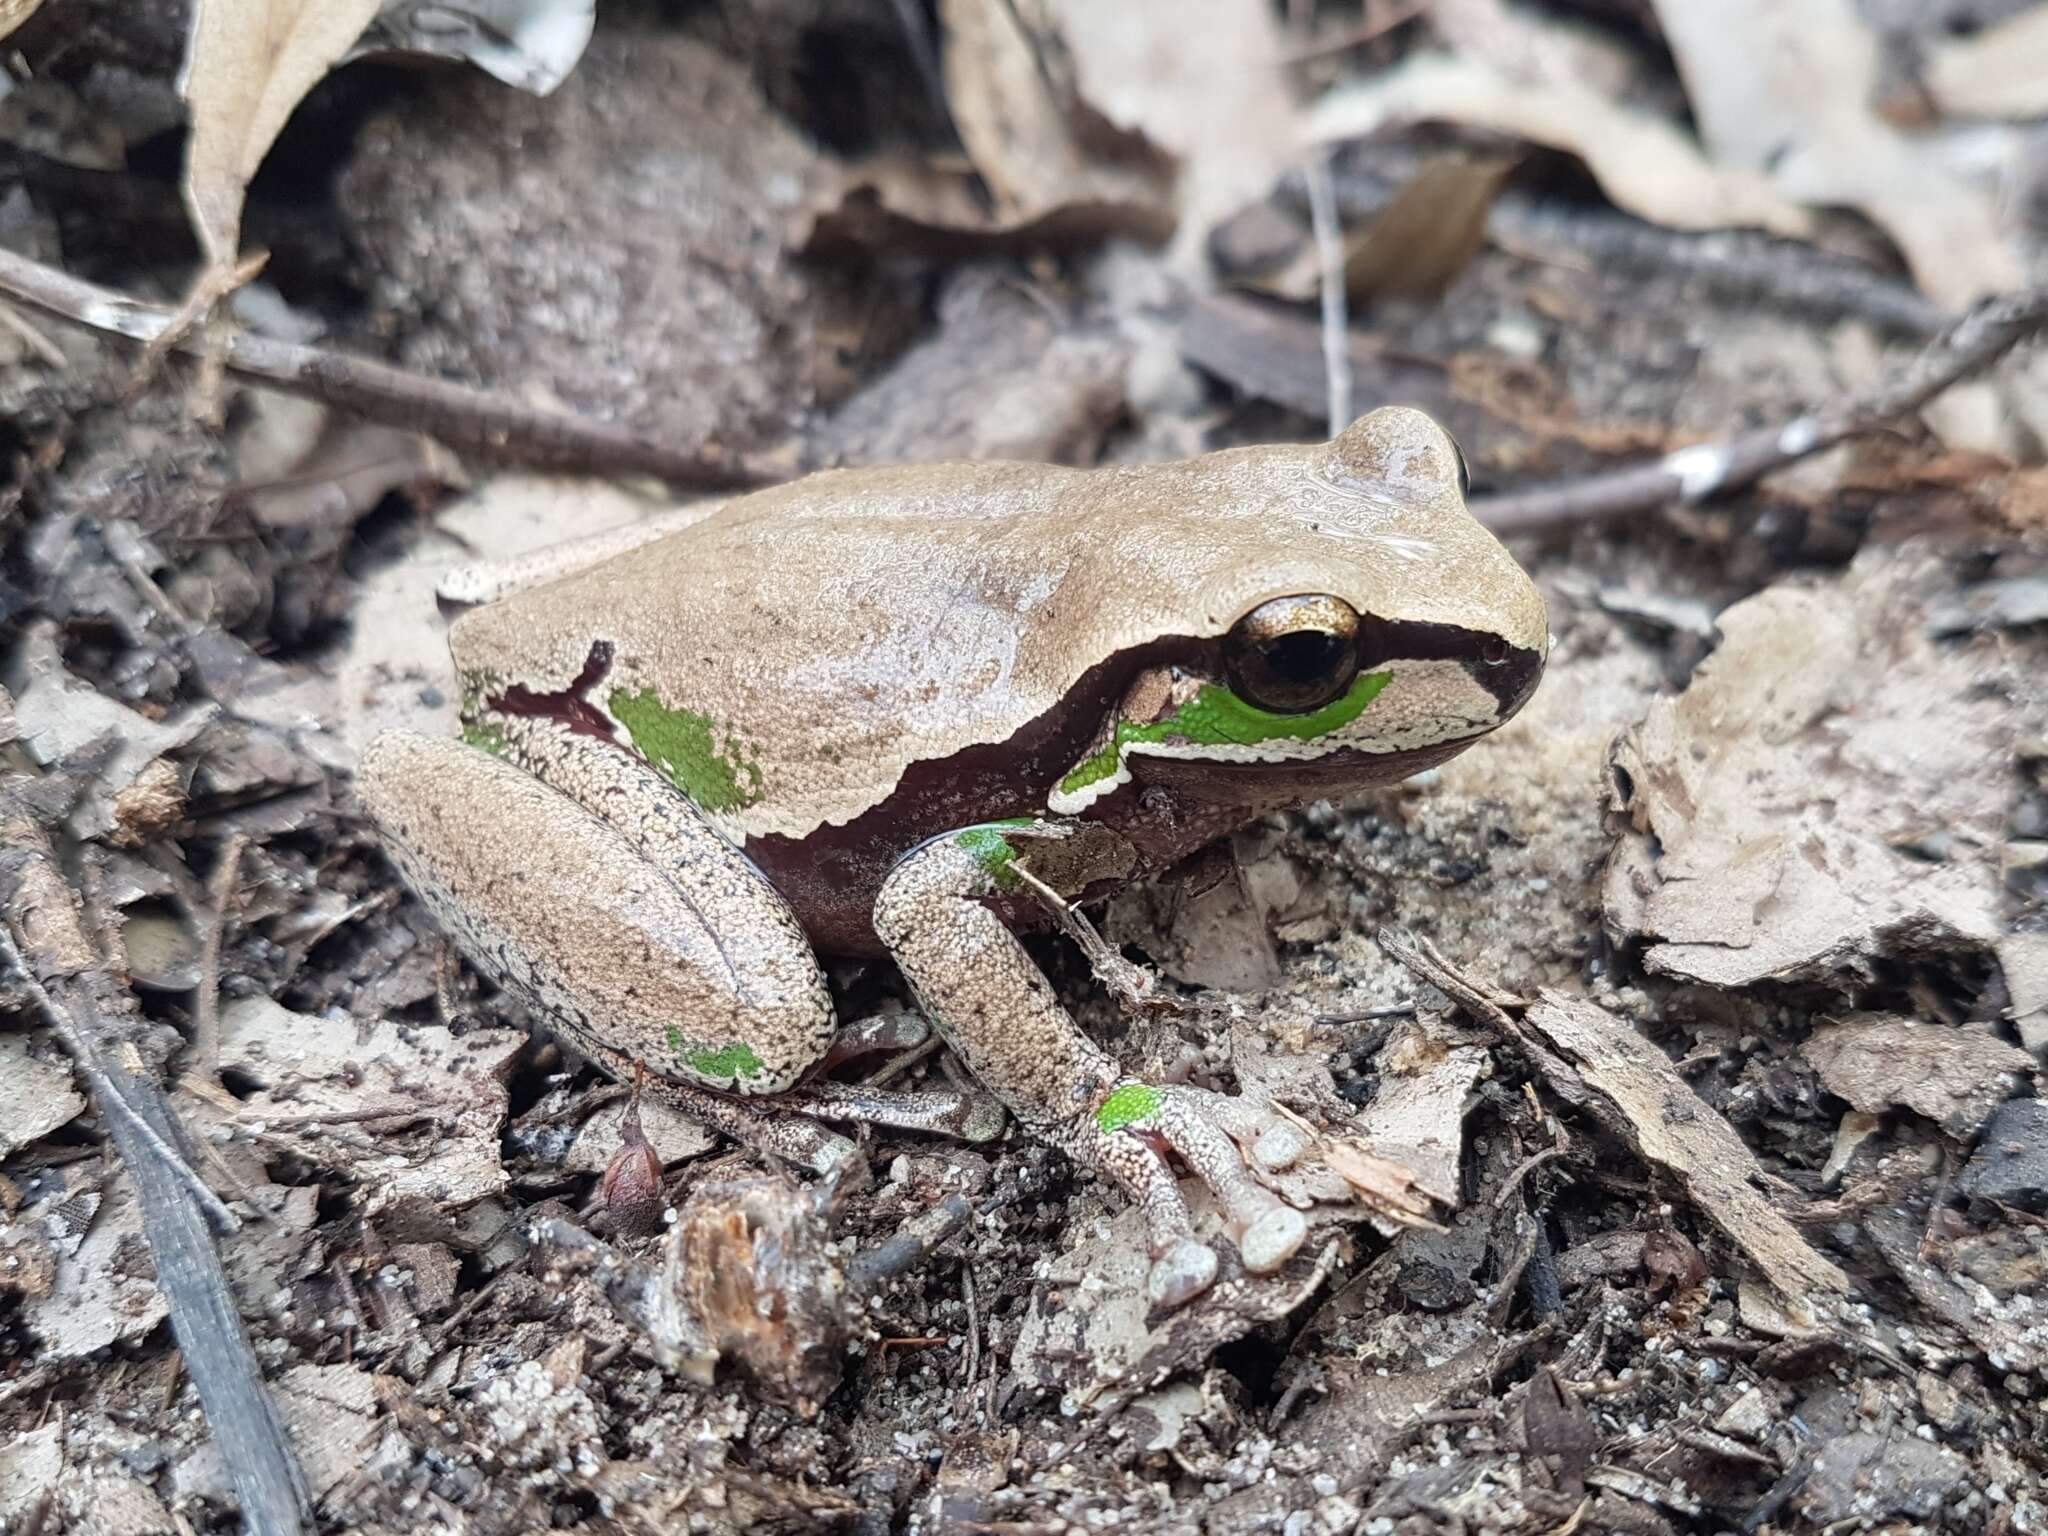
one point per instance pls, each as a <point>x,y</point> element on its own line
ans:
<point>977,984</point>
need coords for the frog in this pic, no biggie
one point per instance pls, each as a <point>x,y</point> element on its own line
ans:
<point>912,712</point>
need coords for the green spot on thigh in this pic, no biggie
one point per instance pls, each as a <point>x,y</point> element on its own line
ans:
<point>736,1060</point>
<point>1127,1105</point>
<point>1217,717</point>
<point>679,743</point>
<point>992,851</point>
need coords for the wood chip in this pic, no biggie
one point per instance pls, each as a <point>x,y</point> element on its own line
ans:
<point>1631,1087</point>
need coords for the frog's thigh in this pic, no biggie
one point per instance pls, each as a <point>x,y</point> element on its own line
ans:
<point>998,1012</point>
<point>622,919</point>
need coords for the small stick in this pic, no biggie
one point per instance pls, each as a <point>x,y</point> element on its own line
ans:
<point>1329,237</point>
<point>97,1079</point>
<point>1705,470</point>
<point>66,973</point>
<point>481,422</point>
<point>1366,31</point>
<point>220,892</point>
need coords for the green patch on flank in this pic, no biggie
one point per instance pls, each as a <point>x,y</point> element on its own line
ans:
<point>678,742</point>
<point>722,1061</point>
<point>1127,1105</point>
<point>1217,717</point>
<point>992,851</point>
<point>484,736</point>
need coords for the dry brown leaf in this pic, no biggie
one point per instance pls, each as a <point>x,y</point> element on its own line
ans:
<point>1629,1082</point>
<point>14,12</point>
<point>249,64</point>
<point>1418,1116</point>
<point>1829,791</point>
<point>1203,80</point>
<point>1036,144</point>
<point>1425,237</point>
<point>896,208</point>
<point>1383,1186</point>
<point>1955,1077</point>
<point>1415,246</point>
<point>1645,164</point>
<point>1785,89</point>
<point>2001,71</point>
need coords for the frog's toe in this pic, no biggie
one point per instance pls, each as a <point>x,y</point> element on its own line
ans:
<point>1180,1274</point>
<point>1269,1241</point>
<point>1137,1122</point>
<point>1279,1146</point>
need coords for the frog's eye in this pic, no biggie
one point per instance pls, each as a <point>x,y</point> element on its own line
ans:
<point>1293,654</point>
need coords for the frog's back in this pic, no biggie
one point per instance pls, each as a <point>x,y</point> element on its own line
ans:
<point>791,659</point>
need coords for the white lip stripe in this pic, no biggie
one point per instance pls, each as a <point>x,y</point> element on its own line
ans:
<point>1284,749</point>
<point>1424,704</point>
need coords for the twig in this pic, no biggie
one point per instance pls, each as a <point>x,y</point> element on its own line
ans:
<point>1366,31</point>
<point>1705,470</point>
<point>95,1072</point>
<point>32,338</point>
<point>1738,265</point>
<point>93,1015</point>
<point>476,421</point>
<point>910,17</point>
<point>901,1064</point>
<point>220,892</point>
<point>1329,237</point>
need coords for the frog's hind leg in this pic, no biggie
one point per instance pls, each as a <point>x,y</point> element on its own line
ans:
<point>998,1012</point>
<point>585,885</point>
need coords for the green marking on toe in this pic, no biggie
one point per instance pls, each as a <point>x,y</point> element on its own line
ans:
<point>485,736</point>
<point>679,743</point>
<point>992,851</point>
<point>1217,717</point>
<point>737,1060</point>
<point>1127,1105</point>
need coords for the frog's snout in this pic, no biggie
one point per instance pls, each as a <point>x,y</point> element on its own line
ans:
<point>1510,673</point>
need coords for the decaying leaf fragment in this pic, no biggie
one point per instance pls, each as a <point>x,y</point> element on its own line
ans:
<point>1788,88</point>
<point>436,1102</point>
<point>1416,245</point>
<point>1831,788</point>
<point>250,63</point>
<point>1644,163</point>
<point>1625,1080</point>
<point>1955,1077</point>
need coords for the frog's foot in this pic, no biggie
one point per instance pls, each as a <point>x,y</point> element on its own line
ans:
<point>762,1125</point>
<point>1128,1138</point>
<point>897,1030</point>
<point>955,1112</point>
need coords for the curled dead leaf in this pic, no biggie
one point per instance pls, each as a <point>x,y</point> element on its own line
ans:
<point>249,64</point>
<point>1386,1187</point>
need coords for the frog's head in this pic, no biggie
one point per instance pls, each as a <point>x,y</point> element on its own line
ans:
<point>1357,626</point>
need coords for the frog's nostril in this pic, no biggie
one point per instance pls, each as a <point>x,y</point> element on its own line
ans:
<point>1494,652</point>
